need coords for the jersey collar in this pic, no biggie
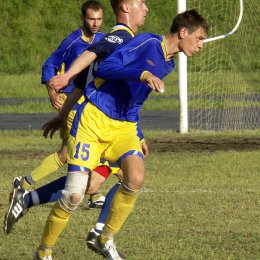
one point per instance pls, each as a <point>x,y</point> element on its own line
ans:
<point>164,49</point>
<point>85,39</point>
<point>121,26</point>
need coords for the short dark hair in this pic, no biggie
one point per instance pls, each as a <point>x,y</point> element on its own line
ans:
<point>191,20</point>
<point>115,4</point>
<point>91,4</point>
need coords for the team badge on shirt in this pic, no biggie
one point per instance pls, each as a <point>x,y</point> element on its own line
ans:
<point>114,39</point>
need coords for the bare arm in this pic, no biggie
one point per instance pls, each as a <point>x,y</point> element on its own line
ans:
<point>83,61</point>
<point>60,121</point>
<point>54,96</point>
<point>154,82</point>
<point>72,99</point>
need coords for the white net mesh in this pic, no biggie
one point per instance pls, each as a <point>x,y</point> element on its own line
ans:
<point>223,80</point>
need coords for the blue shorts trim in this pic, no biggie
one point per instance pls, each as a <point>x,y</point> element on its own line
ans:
<point>132,152</point>
<point>110,164</point>
<point>74,168</point>
<point>77,117</point>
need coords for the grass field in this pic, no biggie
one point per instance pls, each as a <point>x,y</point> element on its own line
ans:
<point>30,91</point>
<point>196,203</point>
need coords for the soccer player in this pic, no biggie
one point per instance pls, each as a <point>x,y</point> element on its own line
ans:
<point>123,82</point>
<point>129,13</point>
<point>59,62</point>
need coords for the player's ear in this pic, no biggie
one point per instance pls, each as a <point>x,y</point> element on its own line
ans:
<point>183,32</point>
<point>124,8</point>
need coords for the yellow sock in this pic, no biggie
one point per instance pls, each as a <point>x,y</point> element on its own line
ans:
<point>26,185</point>
<point>50,164</point>
<point>42,253</point>
<point>55,224</point>
<point>121,206</point>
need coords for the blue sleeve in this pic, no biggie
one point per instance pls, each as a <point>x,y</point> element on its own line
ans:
<point>109,43</point>
<point>53,64</point>
<point>139,131</point>
<point>126,63</point>
<point>114,69</point>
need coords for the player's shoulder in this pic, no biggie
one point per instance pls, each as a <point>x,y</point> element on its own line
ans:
<point>75,34</point>
<point>144,40</point>
<point>148,36</point>
<point>119,33</point>
<point>100,35</point>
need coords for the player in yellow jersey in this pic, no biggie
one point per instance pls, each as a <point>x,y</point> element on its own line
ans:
<point>105,125</point>
<point>130,14</point>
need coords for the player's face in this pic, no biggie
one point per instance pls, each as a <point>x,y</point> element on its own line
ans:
<point>93,20</point>
<point>138,11</point>
<point>192,43</point>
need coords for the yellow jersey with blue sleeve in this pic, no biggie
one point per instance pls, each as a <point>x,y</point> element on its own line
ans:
<point>119,35</point>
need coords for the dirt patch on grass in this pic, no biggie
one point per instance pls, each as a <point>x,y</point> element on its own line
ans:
<point>168,145</point>
<point>23,155</point>
<point>202,144</point>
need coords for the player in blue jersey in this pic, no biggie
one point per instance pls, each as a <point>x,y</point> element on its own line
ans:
<point>106,123</point>
<point>59,62</point>
<point>126,17</point>
<point>123,32</point>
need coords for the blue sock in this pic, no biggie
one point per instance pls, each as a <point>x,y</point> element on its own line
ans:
<point>48,193</point>
<point>106,207</point>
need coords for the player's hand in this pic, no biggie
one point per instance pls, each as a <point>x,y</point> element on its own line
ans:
<point>60,81</point>
<point>55,98</point>
<point>145,149</point>
<point>53,125</point>
<point>154,82</point>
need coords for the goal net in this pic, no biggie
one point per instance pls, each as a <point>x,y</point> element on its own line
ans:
<point>223,80</point>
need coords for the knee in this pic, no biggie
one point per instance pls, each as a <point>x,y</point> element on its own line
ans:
<point>70,201</point>
<point>133,169</point>
<point>134,180</point>
<point>74,191</point>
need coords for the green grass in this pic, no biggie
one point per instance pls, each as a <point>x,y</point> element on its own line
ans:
<point>194,205</point>
<point>30,89</point>
<point>22,86</point>
<point>27,107</point>
<point>39,26</point>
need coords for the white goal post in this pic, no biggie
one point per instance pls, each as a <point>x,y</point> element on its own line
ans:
<point>231,28</point>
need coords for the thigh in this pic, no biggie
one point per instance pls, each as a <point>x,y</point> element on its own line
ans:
<point>84,145</point>
<point>124,143</point>
<point>84,152</point>
<point>95,181</point>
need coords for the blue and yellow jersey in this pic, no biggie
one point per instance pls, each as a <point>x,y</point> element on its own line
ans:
<point>61,59</point>
<point>119,35</point>
<point>117,90</point>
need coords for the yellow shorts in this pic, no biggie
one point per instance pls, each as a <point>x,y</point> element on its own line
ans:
<point>64,134</point>
<point>114,168</point>
<point>94,135</point>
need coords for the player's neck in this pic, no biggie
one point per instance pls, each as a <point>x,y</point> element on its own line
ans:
<point>88,35</point>
<point>124,18</point>
<point>171,45</point>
